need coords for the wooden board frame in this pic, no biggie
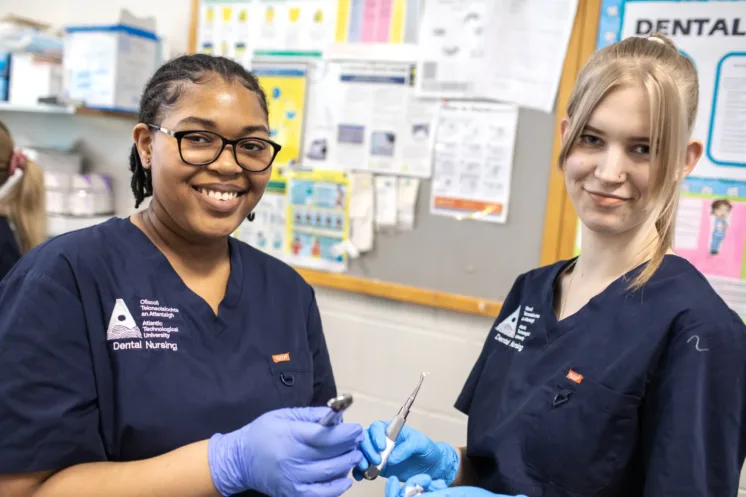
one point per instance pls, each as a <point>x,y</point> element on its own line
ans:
<point>560,222</point>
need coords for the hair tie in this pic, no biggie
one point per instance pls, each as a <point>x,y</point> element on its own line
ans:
<point>18,160</point>
<point>656,39</point>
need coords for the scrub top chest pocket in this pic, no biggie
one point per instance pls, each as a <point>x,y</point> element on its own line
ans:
<point>293,381</point>
<point>580,435</point>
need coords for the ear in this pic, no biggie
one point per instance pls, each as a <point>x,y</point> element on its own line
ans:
<point>564,126</point>
<point>693,153</point>
<point>144,141</point>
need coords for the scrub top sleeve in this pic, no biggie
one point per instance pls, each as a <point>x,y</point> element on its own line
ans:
<point>324,387</point>
<point>693,431</point>
<point>48,409</point>
<point>463,403</point>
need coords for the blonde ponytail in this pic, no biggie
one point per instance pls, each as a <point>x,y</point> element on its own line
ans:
<point>26,202</point>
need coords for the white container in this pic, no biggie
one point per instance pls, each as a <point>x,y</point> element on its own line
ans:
<point>33,77</point>
<point>107,66</point>
<point>90,195</point>
<point>57,187</point>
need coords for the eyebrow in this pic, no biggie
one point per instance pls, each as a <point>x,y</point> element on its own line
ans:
<point>597,131</point>
<point>212,125</point>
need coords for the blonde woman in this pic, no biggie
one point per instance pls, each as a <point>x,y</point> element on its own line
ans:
<point>621,372</point>
<point>22,211</point>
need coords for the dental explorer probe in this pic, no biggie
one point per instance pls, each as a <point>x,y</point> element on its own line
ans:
<point>392,432</point>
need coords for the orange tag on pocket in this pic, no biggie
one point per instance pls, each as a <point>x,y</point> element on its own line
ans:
<point>281,357</point>
<point>573,376</point>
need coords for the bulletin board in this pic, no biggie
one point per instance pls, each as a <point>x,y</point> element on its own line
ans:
<point>466,265</point>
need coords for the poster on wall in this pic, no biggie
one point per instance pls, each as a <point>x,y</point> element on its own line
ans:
<point>285,87</point>
<point>473,160</point>
<point>242,29</point>
<point>365,116</point>
<point>713,35</point>
<point>267,231</point>
<point>317,228</point>
<point>711,234</point>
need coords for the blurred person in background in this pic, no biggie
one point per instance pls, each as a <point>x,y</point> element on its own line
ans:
<point>22,203</point>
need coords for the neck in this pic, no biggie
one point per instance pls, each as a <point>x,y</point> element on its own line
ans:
<point>607,257</point>
<point>198,256</point>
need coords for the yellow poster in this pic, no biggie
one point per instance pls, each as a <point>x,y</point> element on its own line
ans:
<point>285,87</point>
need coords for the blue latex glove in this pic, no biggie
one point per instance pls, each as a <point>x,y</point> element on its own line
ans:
<point>413,454</point>
<point>435,488</point>
<point>286,453</point>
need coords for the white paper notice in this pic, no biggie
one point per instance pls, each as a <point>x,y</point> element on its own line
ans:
<point>362,210</point>
<point>473,159</point>
<point>451,47</point>
<point>407,201</point>
<point>527,52</point>
<point>365,116</point>
<point>386,202</point>
<point>507,50</point>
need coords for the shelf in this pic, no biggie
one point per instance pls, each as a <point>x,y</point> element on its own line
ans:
<point>64,109</point>
<point>57,225</point>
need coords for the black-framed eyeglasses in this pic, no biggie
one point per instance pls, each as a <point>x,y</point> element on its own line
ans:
<point>201,148</point>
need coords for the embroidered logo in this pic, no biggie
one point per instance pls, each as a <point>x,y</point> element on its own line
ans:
<point>121,324</point>
<point>158,327</point>
<point>513,330</point>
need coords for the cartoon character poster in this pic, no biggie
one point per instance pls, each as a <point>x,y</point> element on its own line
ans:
<point>711,234</point>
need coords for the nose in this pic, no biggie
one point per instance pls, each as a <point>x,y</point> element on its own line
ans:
<point>226,164</point>
<point>612,167</point>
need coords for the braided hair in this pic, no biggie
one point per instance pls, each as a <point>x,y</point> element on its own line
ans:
<point>165,88</point>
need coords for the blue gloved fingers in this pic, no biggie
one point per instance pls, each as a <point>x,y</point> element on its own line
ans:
<point>392,487</point>
<point>327,489</point>
<point>308,414</point>
<point>423,480</point>
<point>372,453</point>
<point>403,451</point>
<point>328,469</point>
<point>377,433</point>
<point>437,485</point>
<point>329,441</point>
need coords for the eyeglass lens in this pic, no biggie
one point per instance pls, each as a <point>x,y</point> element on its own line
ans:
<point>201,147</point>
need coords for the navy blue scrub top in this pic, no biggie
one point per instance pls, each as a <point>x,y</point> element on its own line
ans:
<point>637,394</point>
<point>106,355</point>
<point>9,251</point>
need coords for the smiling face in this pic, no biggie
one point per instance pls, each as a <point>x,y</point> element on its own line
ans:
<point>206,201</point>
<point>607,171</point>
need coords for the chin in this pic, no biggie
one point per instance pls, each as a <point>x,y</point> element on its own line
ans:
<point>215,227</point>
<point>604,224</point>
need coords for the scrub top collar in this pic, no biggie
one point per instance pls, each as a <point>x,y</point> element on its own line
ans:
<point>144,245</point>
<point>557,328</point>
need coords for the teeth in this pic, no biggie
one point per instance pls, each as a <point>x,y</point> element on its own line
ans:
<point>218,195</point>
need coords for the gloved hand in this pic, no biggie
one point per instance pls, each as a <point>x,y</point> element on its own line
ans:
<point>286,453</point>
<point>435,488</point>
<point>413,454</point>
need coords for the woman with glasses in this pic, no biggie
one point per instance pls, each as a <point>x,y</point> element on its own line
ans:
<point>22,203</point>
<point>156,355</point>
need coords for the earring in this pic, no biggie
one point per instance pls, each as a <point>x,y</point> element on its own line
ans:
<point>251,216</point>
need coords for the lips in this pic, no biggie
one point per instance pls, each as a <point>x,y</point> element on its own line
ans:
<point>603,200</point>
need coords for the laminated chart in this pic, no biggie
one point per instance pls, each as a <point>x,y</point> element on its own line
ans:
<point>317,228</point>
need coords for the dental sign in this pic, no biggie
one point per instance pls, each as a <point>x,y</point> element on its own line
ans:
<point>713,35</point>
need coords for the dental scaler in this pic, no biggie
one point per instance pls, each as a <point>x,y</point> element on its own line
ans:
<point>393,430</point>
